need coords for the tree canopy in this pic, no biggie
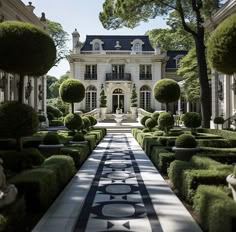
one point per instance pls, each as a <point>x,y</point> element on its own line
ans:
<point>60,37</point>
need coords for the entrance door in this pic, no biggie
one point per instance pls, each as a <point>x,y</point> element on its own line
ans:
<point>118,100</point>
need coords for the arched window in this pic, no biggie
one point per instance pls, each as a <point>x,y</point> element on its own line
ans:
<point>90,98</point>
<point>145,97</point>
<point>96,46</point>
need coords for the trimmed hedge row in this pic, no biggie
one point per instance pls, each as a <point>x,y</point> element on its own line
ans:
<point>217,211</point>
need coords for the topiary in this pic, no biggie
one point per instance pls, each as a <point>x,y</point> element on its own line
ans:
<point>93,121</point>
<point>134,97</point>
<point>103,98</point>
<point>143,119</point>
<point>185,141</point>
<point>221,49</point>
<point>39,51</point>
<point>145,130</point>
<point>17,120</point>
<point>155,115</point>
<point>78,137</point>
<point>41,118</point>
<point>72,91</point>
<point>166,91</point>
<point>86,122</point>
<point>51,138</point>
<point>73,122</point>
<point>158,133</point>
<point>54,110</point>
<point>166,122</point>
<point>219,120</point>
<point>150,123</point>
<point>192,120</point>
<point>50,116</point>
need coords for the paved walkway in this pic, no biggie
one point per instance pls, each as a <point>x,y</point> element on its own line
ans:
<point>117,189</point>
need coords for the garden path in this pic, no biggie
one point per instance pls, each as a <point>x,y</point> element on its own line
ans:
<point>117,189</point>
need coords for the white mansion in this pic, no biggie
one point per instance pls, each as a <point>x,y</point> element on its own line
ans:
<point>35,88</point>
<point>117,63</point>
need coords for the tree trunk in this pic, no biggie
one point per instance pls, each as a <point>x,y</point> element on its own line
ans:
<point>205,95</point>
<point>19,145</point>
<point>167,107</point>
<point>20,89</point>
<point>72,107</point>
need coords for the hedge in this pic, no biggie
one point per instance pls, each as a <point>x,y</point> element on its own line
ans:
<point>163,161</point>
<point>156,152</point>
<point>217,211</point>
<point>219,143</point>
<point>149,144</point>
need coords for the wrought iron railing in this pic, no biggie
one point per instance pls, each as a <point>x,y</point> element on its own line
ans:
<point>118,77</point>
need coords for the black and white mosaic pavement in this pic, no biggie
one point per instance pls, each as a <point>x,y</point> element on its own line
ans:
<point>118,199</point>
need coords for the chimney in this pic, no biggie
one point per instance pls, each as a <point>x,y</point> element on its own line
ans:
<point>30,7</point>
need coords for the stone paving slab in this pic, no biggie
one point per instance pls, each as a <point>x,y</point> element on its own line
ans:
<point>117,189</point>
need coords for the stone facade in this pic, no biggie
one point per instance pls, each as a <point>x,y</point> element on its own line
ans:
<point>117,63</point>
<point>35,88</point>
<point>223,86</point>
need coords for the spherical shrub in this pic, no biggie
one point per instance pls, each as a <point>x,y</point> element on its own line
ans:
<point>219,120</point>
<point>19,38</point>
<point>93,121</point>
<point>221,49</point>
<point>54,111</point>
<point>41,118</point>
<point>78,137</point>
<point>150,123</point>
<point>192,120</point>
<point>155,115</point>
<point>72,90</point>
<point>73,122</point>
<point>166,90</point>
<point>17,120</point>
<point>86,122</point>
<point>182,117</point>
<point>186,141</point>
<point>143,119</point>
<point>166,121</point>
<point>51,138</point>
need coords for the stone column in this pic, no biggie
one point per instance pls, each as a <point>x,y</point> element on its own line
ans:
<point>36,100</point>
<point>44,99</point>
<point>188,106</point>
<point>179,106</point>
<point>214,93</point>
<point>227,102</point>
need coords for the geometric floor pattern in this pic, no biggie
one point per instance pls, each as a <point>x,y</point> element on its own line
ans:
<point>117,190</point>
<point>118,199</point>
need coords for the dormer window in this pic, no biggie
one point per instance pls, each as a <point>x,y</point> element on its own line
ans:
<point>97,44</point>
<point>137,45</point>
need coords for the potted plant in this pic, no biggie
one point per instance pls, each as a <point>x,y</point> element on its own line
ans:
<point>133,105</point>
<point>231,179</point>
<point>185,147</point>
<point>103,103</point>
<point>219,121</point>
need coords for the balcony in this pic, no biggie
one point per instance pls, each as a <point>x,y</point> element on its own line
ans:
<point>118,77</point>
<point>145,76</point>
<point>90,76</point>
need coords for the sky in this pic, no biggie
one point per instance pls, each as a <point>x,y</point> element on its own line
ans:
<point>83,15</point>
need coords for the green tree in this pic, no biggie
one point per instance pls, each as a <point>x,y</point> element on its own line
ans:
<point>60,37</point>
<point>50,81</point>
<point>103,98</point>
<point>19,53</point>
<point>134,97</point>
<point>189,71</point>
<point>191,14</point>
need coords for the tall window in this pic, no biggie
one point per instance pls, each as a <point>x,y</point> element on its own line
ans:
<point>145,72</point>
<point>96,46</point>
<point>90,72</point>
<point>145,97</point>
<point>137,47</point>
<point>90,98</point>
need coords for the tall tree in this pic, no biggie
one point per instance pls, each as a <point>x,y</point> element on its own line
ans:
<point>119,13</point>
<point>188,70</point>
<point>60,37</point>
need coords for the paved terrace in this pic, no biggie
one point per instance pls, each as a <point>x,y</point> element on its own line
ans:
<point>117,189</point>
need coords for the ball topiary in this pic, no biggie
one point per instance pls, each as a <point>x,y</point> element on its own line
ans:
<point>221,49</point>
<point>78,137</point>
<point>150,123</point>
<point>219,120</point>
<point>93,121</point>
<point>17,120</point>
<point>192,120</point>
<point>143,119</point>
<point>54,110</point>
<point>155,115</point>
<point>73,122</point>
<point>41,118</point>
<point>185,141</point>
<point>86,122</point>
<point>51,138</point>
<point>166,91</point>
<point>166,122</point>
<point>72,91</point>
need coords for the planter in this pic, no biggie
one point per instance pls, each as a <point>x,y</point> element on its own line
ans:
<point>50,149</point>
<point>133,112</point>
<point>103,111</point>
<point>232,184</point>
<point>185,154</point>
<point>119,111</point>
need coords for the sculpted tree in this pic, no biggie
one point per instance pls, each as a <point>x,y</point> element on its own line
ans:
<point>128,13</point>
